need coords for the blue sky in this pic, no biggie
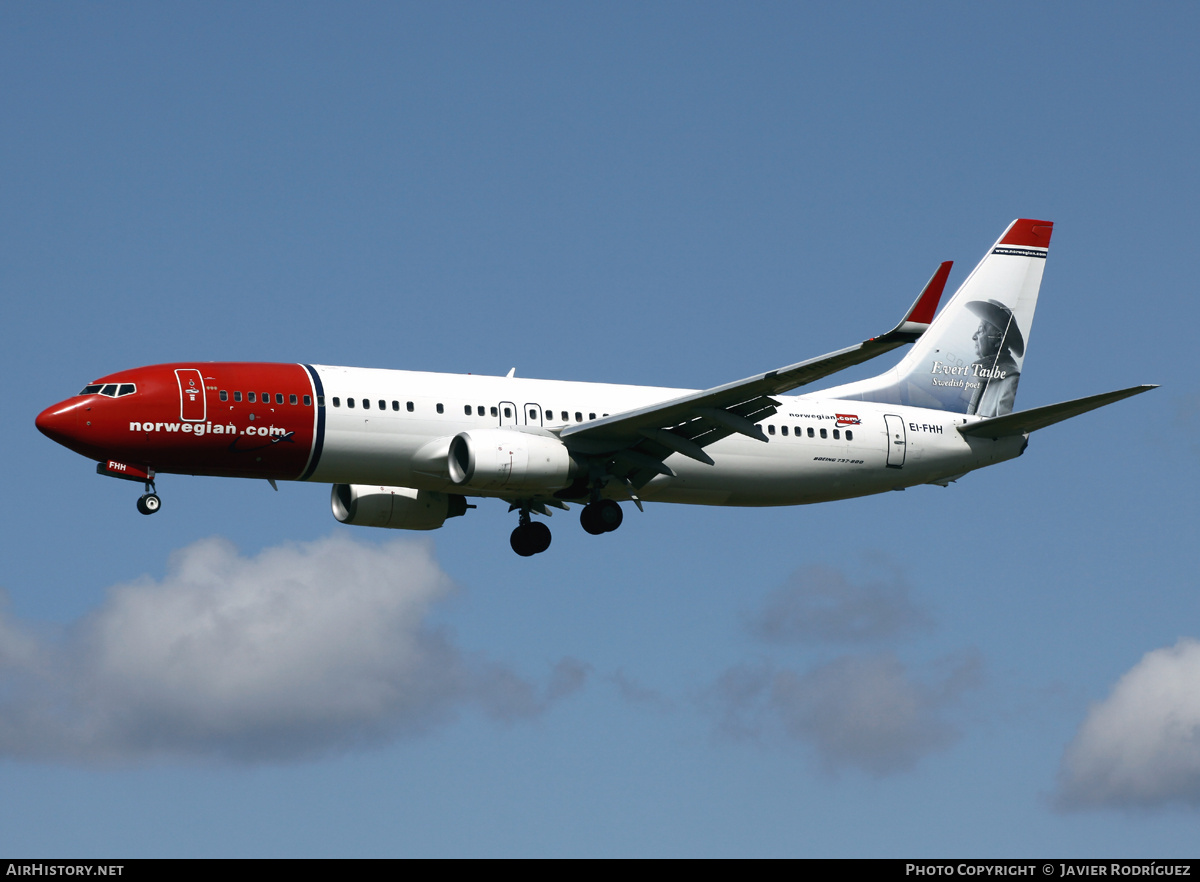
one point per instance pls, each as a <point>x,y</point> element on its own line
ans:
<point>671,194</point>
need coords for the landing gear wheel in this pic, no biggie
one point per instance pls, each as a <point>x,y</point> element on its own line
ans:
<point>521,542</point>
<point>530,539</point>
<point>589,521</point>
<point>149,503</point>
<point>609,514</point>
<point>601,517</point>
<point>541,536</point>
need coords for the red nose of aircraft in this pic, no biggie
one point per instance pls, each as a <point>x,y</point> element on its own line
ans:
<point>58,421</point>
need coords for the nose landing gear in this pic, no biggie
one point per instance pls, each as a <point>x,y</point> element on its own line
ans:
<point>149,503</point>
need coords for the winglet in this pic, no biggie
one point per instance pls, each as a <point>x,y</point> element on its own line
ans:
<point>920,315</point>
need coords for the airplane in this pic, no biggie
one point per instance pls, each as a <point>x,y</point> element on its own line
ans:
<point>406,450</point>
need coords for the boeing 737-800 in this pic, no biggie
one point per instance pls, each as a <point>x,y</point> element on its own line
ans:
<point>406,450</point>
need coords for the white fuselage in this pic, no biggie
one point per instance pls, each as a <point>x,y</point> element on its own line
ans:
<point>818,449</point>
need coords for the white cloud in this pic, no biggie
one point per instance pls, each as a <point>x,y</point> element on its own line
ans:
<point>1140,747</point>
<point>822,603</point>
<point>298,650</point>
<point>859,711</point>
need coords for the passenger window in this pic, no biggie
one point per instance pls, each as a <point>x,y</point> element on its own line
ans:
<point>799,431</point>
<point>550,415</point>
<point>224,395</point>
<point>836,435</point>
<point>783,431</point>
<point>266,398</point>
<point>382,404</point>
<point>494,412</point>
<point>532,415</point>
<point>291,399</point>
<point>823,434</point>
<point>578,417</point>
<point>308,401</point>
<point>467,409</point>
<point>810,432</point>
<point>279,398</point>
<point>591,416</point>
<point>366,404</point>
<point>395,405</point>
<point>507,412</point>
<point>440,409</point>
<point>849,435</point>
<point>237,396</point>
<point>566,417</point>
<point>770,430</point>
<point>410,407</point>
<point>349,402</point>
<point>337,402</point>
<point>251,397</point>
<point>480,410</point>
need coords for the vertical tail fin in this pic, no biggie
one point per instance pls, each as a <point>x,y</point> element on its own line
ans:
<point>969,361</point>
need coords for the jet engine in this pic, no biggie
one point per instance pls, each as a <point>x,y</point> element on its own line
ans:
<point>508,461</point>
<point>399,508</point>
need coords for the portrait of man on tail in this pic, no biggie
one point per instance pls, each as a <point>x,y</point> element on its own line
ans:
<point>998,345</point>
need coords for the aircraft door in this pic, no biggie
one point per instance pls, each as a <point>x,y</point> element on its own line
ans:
<point>508,413</point>
<point>192,404</point>
<point>896,441</point>
<point>533,415</point>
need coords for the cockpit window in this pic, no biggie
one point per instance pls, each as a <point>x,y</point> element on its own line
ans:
<point>110,390</point>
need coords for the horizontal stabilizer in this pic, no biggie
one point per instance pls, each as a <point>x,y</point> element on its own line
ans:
<point>1039,417</point>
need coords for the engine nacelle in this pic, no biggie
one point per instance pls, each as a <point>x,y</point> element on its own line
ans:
<point>508,461</point>
<point>399,508</point>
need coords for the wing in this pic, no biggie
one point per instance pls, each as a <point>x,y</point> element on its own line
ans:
<point>637,441</point>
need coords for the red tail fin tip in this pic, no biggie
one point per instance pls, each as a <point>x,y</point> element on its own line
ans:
<point>1029,233</point>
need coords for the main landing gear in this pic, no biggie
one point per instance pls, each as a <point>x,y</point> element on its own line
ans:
<point>530,537</point>
<point>602,516</point>
<point>533,537</point>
